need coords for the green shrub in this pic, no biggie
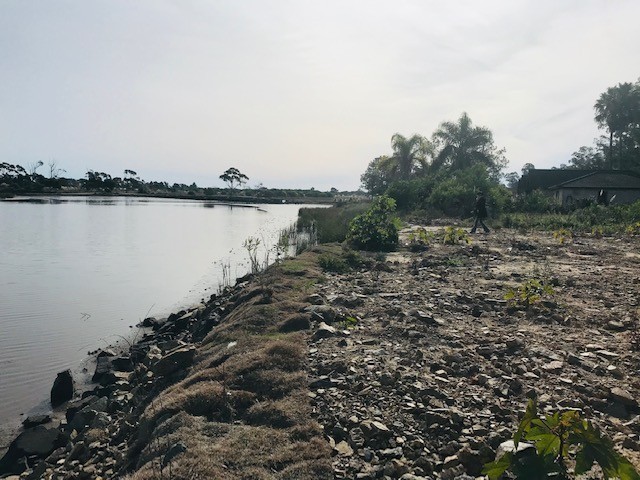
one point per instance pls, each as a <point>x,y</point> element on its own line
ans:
<point>554,437</point>
<point>454,236</point>
<point>420,239</point>
<point>563,235</point>
<point>529,292</point>
<point>377,228</point>
<point>332,263</point>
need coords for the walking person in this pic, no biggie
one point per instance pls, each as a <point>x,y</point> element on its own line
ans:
<point>481,213</point>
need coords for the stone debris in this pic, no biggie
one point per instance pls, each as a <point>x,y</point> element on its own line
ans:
<point>438,369</point>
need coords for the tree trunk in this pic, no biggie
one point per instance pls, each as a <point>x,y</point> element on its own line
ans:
<point>610,149</point>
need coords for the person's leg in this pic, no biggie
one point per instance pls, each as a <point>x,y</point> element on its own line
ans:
<point>486,229</point>
<point>475,225</point>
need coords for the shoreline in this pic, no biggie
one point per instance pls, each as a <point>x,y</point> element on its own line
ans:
<point>412,366</point>
<point>222,199</point>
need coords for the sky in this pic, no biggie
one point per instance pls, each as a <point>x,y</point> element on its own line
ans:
<point>299,93</point>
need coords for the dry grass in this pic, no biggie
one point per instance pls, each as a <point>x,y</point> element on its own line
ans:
<point>242,410</point>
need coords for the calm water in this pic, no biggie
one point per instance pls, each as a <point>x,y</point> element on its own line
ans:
<point>77,272</point>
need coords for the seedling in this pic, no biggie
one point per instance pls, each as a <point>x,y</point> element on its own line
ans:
<point>554,436</point>
<point>528,293</point>
<point>455,235</point>
<point>420,239</point>
<point>633,229</point>
<point>563,235</point>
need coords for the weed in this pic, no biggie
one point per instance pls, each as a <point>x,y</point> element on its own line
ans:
<point>420,239</point>
<point>454,236</point>
<point>251,244</point>
<point>349,323</point>
<point>553,437</point>
<point>528,293</point>
<point>633,229</point>
<point>332,263</point>
<point>597,231</point>
<point>563,235</point>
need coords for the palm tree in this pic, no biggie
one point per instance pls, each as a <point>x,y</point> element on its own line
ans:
<point>407,152</point>
<point>616,110</point>
<point>464,145</point>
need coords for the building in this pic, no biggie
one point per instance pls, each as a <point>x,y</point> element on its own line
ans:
<point>570,187</point>
<point>603,187</point>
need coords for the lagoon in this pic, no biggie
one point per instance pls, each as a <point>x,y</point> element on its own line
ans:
<point>78,273</point>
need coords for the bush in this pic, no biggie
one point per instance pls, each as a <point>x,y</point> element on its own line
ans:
<point>376,229</point>
<point>552,439</point>
<point>332,263</point>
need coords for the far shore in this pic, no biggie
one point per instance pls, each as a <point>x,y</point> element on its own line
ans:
<point>215,198</point>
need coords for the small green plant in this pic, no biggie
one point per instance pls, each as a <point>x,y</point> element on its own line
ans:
<point>420,239</point>
<point>377,228</point>
<point>528,293</point>
<point>251,245</point>
<point>633,229</point>
<point>563,235</point>
<point>555,437</point>
<point>597,231</point>
<point>455,235</point>
<point>349,323</point>
<point>332,263</point>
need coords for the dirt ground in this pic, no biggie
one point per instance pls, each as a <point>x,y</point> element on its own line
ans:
<point>430,368</point>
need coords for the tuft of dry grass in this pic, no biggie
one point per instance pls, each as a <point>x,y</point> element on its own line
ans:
<point>242,410</point>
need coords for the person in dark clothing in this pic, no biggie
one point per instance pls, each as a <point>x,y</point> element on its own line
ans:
<point>481,213</point>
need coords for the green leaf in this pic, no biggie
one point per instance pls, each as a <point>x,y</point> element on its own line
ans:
<point>546,443</point>
<point>525,424</point>
<point>495,469</point>
<point>584,461</point>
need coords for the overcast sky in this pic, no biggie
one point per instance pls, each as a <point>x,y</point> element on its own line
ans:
<point>299,93</point>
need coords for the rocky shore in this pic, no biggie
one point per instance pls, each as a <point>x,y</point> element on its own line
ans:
<point>410,367</point>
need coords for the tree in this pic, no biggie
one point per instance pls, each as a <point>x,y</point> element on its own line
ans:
<point>511,179</point>
<point>232,177</point>
<point>54,170</point>
<point>463,145</point>
<point>588,158</point>
<point>407,152</point>
<point>33,167</point>
<point>618,110</point>
<point>527,167</point>
<point>380,172</point>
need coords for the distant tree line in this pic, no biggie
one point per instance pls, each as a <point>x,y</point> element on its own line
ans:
<point>16,179</point>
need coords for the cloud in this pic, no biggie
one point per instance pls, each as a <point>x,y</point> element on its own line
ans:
<point>299,93</point>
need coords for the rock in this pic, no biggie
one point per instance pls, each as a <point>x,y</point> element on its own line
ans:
<point>315,299</point>
<point>343,449</point>
<point>509,446</point>
<point>176,360</point>
<point>322,313</point>
<point>149,322</point>
<point>616,326</point>
<point>35,420</point>
<point>175,450</point>
<point>554,366</point>
<point>63,388</point>
<point>324,331</point>
<point>38,441</point>
<point>107,352</point>
<point>122,364</point>
<point>295,323</point>
<point>103,366</point>
<point>623,397</point>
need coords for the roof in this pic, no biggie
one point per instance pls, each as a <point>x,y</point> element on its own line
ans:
<point>544,179</point>
<point>610,180</point>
